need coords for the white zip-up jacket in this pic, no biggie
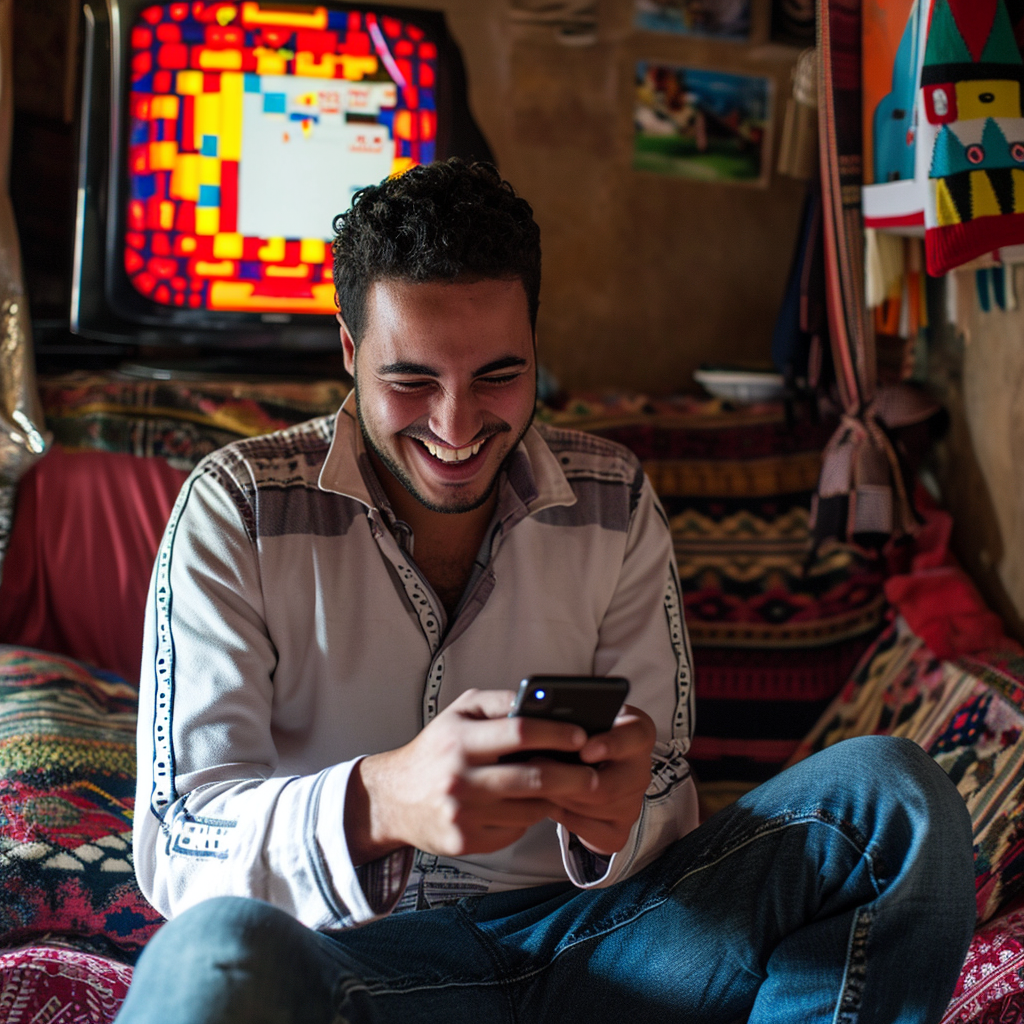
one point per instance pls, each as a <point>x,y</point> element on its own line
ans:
<point>289,632</point>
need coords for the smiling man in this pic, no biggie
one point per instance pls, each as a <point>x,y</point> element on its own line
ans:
<point>337,618</point>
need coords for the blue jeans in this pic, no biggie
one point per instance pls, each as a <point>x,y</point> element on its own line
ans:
<point>841,891</point>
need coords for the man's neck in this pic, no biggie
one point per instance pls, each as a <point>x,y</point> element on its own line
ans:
<point>445,543</point>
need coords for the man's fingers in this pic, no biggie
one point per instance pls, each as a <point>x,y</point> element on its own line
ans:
<point>488,739</point>
<point>601,837</point>
<point>540,779</point>
<point>633,733</point>
<point>484,703</point>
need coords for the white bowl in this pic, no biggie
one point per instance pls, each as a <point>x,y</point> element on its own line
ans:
<point>742,385</point>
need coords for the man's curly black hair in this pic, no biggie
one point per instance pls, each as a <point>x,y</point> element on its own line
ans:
<point>445,221</point>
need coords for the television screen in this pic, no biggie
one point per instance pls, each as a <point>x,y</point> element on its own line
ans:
<point>238,131</point>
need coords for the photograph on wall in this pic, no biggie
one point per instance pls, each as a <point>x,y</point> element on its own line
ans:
<point>718,19</point>
<point>700,124</point>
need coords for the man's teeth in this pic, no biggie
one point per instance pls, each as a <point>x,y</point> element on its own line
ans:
<point>453,454</point>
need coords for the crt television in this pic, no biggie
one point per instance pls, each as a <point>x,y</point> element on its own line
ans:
<point>217,143</point>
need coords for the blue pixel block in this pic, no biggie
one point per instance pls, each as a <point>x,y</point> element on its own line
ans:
<point>251,82</point>
<point>274,102</point>
<point>209,195</point>
<point>209,146</point>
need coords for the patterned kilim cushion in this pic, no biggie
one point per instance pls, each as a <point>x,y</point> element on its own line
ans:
<point>775,632</point>
<point>53,985</point>
<point>178,420</point>
<point>990,989</point>
<point>67,789</point>
<point>969,715</point>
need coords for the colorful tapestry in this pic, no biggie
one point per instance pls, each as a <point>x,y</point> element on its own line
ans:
<point>57,985</point>
<point>967,714</point>
<point>67,790</point>
<point>776,630</point>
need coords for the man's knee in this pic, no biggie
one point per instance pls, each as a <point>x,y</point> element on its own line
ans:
<point>228,929</point>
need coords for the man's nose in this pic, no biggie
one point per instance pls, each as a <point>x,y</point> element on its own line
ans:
<point>456,418</point>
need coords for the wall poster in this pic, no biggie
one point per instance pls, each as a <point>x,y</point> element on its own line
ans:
<point>717,19</point>
<point>701,124</point>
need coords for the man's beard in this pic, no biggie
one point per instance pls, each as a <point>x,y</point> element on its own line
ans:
<point>402,476</point>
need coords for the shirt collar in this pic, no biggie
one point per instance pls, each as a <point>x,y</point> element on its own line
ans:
<point>532,473</point>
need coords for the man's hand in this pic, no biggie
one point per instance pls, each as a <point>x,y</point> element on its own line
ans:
<point>603,815</point>
<point>445,793</point>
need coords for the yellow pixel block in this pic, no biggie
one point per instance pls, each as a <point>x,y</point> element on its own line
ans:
<point>185,177</point>
<point>162,155</point>
<point>355,68</point>
<point>165,107</point>
<point>987,98</point>
<point>223,268</point>
<point>220,60</point>
<point>300,271</point>
<point>189,83</point>
<point>270,62</point>
<point>209,170</point>
<point>272,251</point>
<point>306,66</point>
<point>400,165</point>
<point>297,18</point>
<point>312,250</point>
<point>188,244</point>
<point>232,88</point>
<point>207,220</point>
<point>227,245</point>
<point>166,215</point>
<point>207,116</point>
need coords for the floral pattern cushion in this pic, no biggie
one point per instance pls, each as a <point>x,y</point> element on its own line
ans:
<point>67,790</point>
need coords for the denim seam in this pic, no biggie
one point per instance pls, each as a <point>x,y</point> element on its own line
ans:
<point>852,989</point>
<point>856,840</point>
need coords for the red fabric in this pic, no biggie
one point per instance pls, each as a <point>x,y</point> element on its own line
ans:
<point>86,530</point>
<point>41,983</point>
<point>937,598</point>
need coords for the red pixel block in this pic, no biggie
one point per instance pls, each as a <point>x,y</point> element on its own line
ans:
<point>162,81</point>
<point>168,32</point>
<point>142,38</point>
<point>153,15</point>
<point>173,56</point>
<point>315,42</point>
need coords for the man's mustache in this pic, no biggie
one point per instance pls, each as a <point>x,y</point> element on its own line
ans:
<point>487,431</point>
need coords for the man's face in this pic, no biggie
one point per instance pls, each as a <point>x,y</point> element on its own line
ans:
<point>445,384</point>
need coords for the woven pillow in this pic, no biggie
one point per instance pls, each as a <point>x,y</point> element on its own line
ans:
<point>969,715</point>
<point>67,789</point>
<point>49,984</point>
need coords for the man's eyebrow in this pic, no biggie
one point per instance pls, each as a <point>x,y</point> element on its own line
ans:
<point>417,369</point>
<point>505,363</point>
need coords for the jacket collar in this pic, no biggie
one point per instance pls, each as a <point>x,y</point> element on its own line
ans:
<point>532,473</point>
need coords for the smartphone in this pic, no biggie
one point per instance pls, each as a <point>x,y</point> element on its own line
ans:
<point>588,701</point>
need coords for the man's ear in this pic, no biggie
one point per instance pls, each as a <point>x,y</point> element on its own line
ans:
<point>348,346</point>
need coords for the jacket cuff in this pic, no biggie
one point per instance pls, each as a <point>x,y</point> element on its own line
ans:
<point>360,894</point>
<point>588,870</point>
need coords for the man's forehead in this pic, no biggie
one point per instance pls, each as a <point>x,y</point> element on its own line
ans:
<point>478,322</point>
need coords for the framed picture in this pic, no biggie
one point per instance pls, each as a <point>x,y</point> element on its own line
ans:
<point>701,124</point>
<point>717,19</point>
